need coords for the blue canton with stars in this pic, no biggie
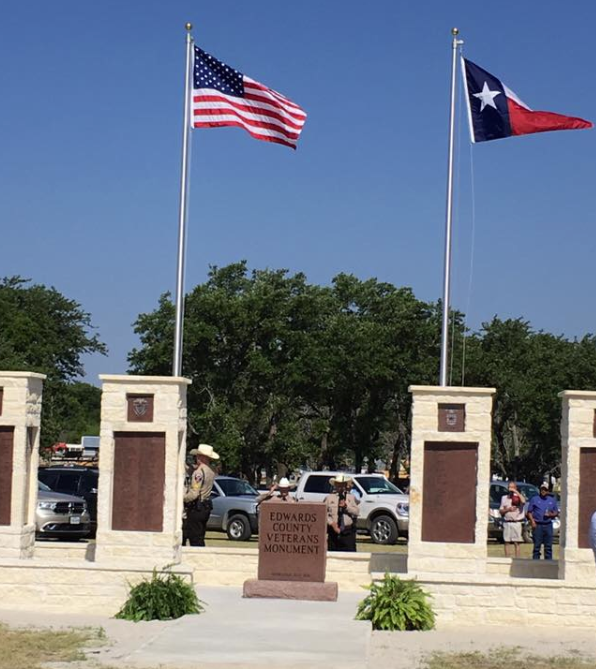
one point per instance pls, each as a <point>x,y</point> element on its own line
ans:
<point>212,73</point>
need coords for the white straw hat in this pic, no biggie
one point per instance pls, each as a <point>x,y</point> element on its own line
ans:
<point>205,449</point>
<point>341,479</point>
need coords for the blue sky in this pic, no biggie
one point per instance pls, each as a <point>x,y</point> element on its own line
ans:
<point>90,131</point>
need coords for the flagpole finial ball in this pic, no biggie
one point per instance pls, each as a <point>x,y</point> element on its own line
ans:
<point>188,26</point>
<point>455,32</point>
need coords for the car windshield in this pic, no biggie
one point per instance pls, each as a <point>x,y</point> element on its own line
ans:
<point>528,490</point>
<point>236,487</point>
<point>43,486</point>
<point>499,490</point>
<point>377,485</point>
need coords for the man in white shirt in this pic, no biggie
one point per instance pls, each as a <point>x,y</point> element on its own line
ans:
<point>512,512</point>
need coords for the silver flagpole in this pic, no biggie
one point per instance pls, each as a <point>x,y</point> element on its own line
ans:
<point>183,209</point>
<point>447,269</point>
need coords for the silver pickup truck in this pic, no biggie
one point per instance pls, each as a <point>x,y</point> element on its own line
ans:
<point>234,508</point>
<point>384,509</point>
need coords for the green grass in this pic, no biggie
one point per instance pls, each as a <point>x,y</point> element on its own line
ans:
<point>29,649</point>
<point>364,545</point>
<point>34,648</point>
<point>505,659</point>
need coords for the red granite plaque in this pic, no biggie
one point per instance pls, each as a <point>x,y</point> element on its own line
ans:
<point>587,494</point>
<point>292,541</point>
<point>139,408</point>
<point>452,418</point>
<point>6,456</point>
<point>449,492</point>
<point>139,478</point>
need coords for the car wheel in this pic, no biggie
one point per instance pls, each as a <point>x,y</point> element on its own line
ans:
<point>383,530</point>
<point>238,528</point>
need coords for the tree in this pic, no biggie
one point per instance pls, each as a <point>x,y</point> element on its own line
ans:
<point>528,369</point>
<point>286,373</point>
<point>43,331</point>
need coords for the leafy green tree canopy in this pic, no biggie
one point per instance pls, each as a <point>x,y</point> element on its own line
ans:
<point>43,331</point>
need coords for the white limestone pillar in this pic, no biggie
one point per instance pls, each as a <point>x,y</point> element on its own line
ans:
<point>578,485</point>
<point>141,469</point>
<point>449,479</point>
<point>20,415</point>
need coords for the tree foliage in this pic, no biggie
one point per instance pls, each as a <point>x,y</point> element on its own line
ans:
<point>43,331</point>
<point>287,373</point>
<point>528,369</point>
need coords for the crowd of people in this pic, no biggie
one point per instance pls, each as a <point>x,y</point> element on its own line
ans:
<point>343,509</point>
<point>342,504</point>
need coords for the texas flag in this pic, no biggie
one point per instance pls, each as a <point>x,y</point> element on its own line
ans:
<point>495,111</point>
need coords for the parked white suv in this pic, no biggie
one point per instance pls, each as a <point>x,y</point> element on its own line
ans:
<point>384,509</point>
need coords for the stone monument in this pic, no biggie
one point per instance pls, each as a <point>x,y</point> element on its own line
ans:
<point>449,479</point>
<point>20,416</point>
<point>292,553</point>
<point>578,489</point>
<point>141,469</point>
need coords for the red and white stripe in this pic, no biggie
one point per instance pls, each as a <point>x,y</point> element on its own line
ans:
<point>263,112</point>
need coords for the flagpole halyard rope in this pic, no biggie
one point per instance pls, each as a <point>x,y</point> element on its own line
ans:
<point>471,271</point>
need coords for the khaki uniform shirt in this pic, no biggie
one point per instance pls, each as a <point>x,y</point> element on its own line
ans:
<point>351,509</point>
<point>201,484</point>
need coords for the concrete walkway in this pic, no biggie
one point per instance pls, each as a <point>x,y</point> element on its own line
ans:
<point>249,632</point>
<point>232,632</point>
<point>235,632</point>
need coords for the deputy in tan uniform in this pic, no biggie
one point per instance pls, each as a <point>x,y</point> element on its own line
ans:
<point>342,512</point>
<point>279,492</point>
<point>197,502</point>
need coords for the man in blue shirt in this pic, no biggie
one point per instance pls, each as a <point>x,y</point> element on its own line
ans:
<point>541,511</point>
<point>593,533</point>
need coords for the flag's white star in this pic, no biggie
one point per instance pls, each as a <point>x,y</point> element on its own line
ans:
<point>487,97</point>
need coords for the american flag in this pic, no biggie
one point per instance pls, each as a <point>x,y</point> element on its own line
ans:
<point>223,96</point>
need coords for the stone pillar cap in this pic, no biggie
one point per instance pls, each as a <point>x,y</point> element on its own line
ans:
<point>452,390</point>
<point>130,379</point>
<point>23,375</point>
<point>580,394</point>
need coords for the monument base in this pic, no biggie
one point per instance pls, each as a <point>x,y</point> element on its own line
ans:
<point>306,590</point>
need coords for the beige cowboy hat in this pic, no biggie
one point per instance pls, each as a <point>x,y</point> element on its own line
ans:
<point>283,483</point>
<point>206,450</point>
<point>341,479</point>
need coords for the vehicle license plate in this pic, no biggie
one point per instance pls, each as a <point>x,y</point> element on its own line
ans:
<point>75,520</point>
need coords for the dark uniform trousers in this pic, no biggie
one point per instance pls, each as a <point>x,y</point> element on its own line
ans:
<point>194,525</point>
<point>345,541</point>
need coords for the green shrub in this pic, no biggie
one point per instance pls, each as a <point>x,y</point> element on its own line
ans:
<point>394,604</point>
<point>165,597</point>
